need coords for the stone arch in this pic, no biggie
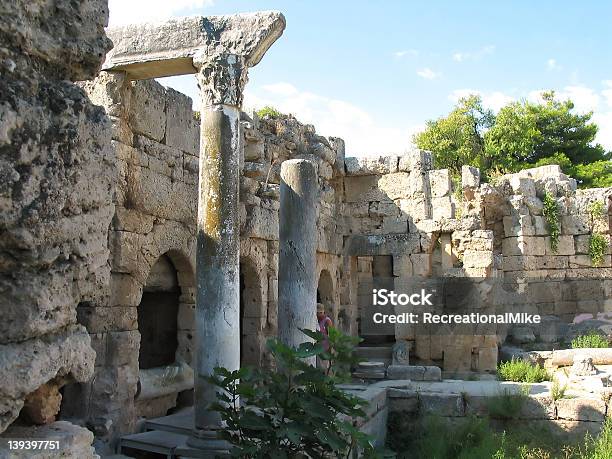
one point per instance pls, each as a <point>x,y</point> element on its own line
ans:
<point>325,289</point>
<point>252,313</point>
<point>158,315</point>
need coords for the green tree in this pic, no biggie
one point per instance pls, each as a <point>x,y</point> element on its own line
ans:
<point>458,138</point>
<point>522,135</point>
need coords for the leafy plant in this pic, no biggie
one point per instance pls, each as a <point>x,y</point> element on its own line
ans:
<point>269,112</point>
<point>591,340</point>
<point>598,245</point>
<point>473,438</point>
<point>551,214</point>
<point>557,391</point>
<point>596,210</point>
<point>519,370</point>
<point>296,408</point>
<point>521,135</point>
<point>507,405</point>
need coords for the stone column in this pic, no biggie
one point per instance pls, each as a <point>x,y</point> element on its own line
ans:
<point>221,79</point>
<point>297,281</point>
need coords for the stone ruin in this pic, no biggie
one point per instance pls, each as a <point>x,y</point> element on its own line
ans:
<point>103,246</point>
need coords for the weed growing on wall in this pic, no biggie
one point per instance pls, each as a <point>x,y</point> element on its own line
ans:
<point>269,112</point>
<point>598,245</point>
<point>551,214</point>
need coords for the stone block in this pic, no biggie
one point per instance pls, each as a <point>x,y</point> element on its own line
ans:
<point>132,220</point>
<point>186,316</point>
<point>457,358</point>
<point>360,209</point>
<point>522,185</point>
<point>147,109</point>
<point>470,177</point>
<point>125,290</point>
<point>261,223</point>
<point>182,129</point>
<point>581,409</point>
<point>584,261</point>
<point>371,166</point>
<point>421,264</point>
<point>416,208</point>
<point>122,348</point>
<point>414,373</point>
<point>565,246</point>
<point>477,259</point>
<point>396,186</point>
<point>439,182</point>
<point>541,227</point>
<point>575,224</point>
<point>487,359</point>
<point>441,404</point>
<point>100,320</point>
<point>419,160</point>
<point>442,208</point>
<point>395,225</point>
<point>383,209</point>
<point>524,245</point>
<point>363,188</point>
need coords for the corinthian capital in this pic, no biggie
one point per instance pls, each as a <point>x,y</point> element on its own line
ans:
<point>221,78</point>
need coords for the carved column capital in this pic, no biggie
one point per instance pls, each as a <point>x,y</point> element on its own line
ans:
<point>221,79</point>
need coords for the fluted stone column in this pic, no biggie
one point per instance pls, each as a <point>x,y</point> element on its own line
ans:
<point>297,281</point>
<point>221,79</point>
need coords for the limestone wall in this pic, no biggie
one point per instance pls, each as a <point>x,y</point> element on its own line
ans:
<point>560,284</point>
<point>56,206</point>
<point>155,136</point>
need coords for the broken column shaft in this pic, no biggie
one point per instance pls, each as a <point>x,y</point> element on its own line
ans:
<point>297,282</point>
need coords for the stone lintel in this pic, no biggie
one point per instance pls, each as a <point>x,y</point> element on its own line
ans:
<point>155,50</point>
<point>381,244</point>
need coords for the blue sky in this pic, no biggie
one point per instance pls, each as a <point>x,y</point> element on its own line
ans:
<point>374,72</point>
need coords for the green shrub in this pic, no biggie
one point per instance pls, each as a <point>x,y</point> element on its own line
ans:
<point>590,340</point>
<point>295,408</point>
<point>557,391</point>
<point>519,370</point>
<point>473,438</point>
<point>269,112</point>
<point>507,405</point>
<point>551,214</point>
<point>598,245</point>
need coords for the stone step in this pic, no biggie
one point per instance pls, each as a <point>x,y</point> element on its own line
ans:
<point>170,444</point>
<point>374,352</point>
<point>154,441</point>
<point>180,423</point>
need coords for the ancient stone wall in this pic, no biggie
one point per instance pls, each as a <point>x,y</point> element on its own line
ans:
<point>156,141</point>
<point>561,283</point>
<point>56,204</point>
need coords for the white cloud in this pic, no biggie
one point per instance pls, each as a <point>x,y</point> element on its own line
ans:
<point>585,99</point>
<point>474,55</point>
<point>552,64</point>
<point>406,52</point>
<point>428,73</point>
<point>362,134</point>
<point>491,100</point>
<point>604,134</point>
<point>607,92</point>
<point>137,11</point>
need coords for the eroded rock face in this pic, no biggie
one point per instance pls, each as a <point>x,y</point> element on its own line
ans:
<point>56,176</point>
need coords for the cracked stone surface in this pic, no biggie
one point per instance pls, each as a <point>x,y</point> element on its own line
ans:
<point>168,48</point>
